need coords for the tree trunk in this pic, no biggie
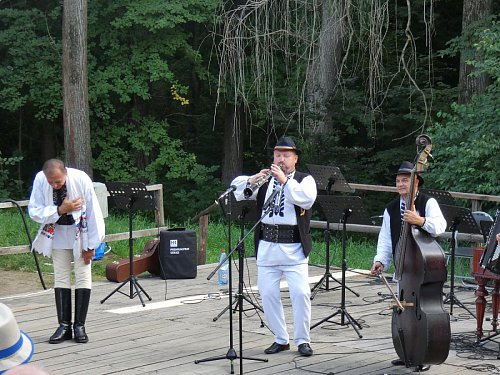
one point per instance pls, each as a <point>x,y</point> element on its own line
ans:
<point>473,11</point>
<point>326,67</point>
<point>234,122</point>
<point>75,87</point>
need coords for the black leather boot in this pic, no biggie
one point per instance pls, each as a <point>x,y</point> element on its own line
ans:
<point>63,307</point>
<point>82,298</point>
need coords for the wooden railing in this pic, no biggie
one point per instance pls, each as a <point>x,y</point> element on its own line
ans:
<point>475,199</point>
<point>157,190</point>
<point>476,202</point>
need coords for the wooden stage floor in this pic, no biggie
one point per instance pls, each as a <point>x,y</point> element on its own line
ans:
<point>177,327</point>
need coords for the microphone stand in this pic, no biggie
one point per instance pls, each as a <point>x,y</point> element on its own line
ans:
<point>231,354</point>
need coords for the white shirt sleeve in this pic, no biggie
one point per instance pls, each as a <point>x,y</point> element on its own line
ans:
<point>241,183</point>
<point>435,223</point>
<point>301,194</point>
<point>37,209</point>
<point>384,243</point>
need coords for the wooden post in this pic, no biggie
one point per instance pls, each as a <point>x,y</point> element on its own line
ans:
<point>159,202</point>
<point>202,239</point>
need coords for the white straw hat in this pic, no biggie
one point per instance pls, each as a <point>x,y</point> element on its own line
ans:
<point>16,347</point>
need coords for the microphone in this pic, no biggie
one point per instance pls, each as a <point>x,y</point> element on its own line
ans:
<point>271,198</point>
<point>228,191</point>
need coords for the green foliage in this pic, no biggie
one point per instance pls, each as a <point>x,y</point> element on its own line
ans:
<point>138,48</point>
<point>143,151</point>
<point>469,135</point>
<point>30,68</point>
<point>9,187</point>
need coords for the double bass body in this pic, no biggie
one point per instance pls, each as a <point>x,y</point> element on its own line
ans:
<point>421,333</point>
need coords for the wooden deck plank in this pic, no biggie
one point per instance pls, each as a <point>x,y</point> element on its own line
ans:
<point>167,336</point>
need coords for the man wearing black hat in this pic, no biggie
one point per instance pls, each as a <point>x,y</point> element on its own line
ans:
<point>283,242</point>
<point>427,215</point>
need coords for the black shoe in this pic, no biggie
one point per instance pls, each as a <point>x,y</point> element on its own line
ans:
<point>398,362</point>
<point>421,368</point>
<point>62,333</point>
<point>305,350</point>
<point>276,348</point>
<point>80,335</point>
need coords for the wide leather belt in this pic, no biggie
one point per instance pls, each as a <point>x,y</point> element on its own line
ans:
<point>280,233</point>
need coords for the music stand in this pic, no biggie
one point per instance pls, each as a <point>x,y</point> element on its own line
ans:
<point>457,217</point>
<point>131,196</point>
<point>328,179</point>
<point>248,213</point>
<point>231,354</point>
<point>340,208</point>
<point>441,196</point>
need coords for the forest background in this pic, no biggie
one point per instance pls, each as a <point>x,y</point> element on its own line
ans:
<point>190,93</point>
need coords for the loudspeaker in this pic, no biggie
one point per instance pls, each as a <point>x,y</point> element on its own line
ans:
<point>177,254</point>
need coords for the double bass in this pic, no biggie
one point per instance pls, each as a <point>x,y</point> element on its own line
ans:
<point>421,331</point>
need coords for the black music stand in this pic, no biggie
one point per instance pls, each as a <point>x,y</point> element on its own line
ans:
<point>231,354</point>
<point>131,196</point>
<point>441,196</point>
<point>328,179</point>
<point>248,213</point>
<point>340,209</point>
<point>457,217</point>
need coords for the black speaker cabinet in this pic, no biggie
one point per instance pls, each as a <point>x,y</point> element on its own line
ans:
<point>177,254</point>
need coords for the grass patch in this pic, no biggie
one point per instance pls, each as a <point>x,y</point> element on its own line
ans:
<point>360,249</point>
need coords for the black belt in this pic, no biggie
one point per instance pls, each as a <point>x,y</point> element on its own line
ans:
<point>280,233</point>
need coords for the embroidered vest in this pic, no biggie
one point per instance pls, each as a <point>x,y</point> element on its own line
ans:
<point>303,221</point>
<point>393,208</point>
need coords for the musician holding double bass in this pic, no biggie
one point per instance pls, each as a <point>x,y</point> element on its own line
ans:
<point>426,216</point>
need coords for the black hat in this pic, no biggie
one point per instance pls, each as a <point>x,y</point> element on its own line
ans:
<point>406,168</point>
<point>287,144</point>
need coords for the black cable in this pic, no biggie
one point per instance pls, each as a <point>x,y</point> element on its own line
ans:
<point>29,239</point>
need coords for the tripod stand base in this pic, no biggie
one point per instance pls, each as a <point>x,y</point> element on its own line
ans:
<point>237,306</point>
<point>134,285</point>
<point>230,355</point>
<point>344,314</point>
<point>324,283</point>
<point>452,300</point>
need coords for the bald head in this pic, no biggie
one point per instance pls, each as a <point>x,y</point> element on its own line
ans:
<point>55,172</point>
<point>53,164</point>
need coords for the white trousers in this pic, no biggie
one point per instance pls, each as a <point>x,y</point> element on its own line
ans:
<point>62,259</point>
<point>298,285</point>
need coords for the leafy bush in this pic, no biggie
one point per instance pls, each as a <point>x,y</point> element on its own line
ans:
<point>9,187</point>
<point>469,136</point>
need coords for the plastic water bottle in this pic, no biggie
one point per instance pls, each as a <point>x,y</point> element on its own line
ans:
<point>223,274</point>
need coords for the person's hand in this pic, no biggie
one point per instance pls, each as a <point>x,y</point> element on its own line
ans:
<point>253,180</point>
<point>412,217</point>
<point>498,237</point>
<point>278,174</point>
<point>377,268</point>
<point>70,205</point>
<point>88,255</point>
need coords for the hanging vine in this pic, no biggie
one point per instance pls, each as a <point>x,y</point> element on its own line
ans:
<point>265,47</point>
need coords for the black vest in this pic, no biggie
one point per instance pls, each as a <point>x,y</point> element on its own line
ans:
<point>394,210</point>
<point>303,217</point>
